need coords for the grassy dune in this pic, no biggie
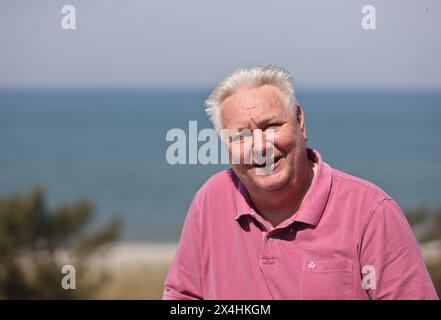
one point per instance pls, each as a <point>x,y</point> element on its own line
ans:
<point>135,282</point>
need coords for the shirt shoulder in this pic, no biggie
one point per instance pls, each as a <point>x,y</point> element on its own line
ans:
<point>221,183</point>
<point>217,200</point>
<point>353,185</point>
<point>360,198</point>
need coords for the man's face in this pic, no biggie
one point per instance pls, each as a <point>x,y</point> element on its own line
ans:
<point>265,108</point>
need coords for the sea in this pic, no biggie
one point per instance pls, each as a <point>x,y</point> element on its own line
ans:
<point>109,146</point>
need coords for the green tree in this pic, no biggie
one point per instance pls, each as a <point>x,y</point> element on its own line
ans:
<point>35,243</point>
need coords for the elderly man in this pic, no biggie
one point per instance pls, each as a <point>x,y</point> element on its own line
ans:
<point>304,230</point>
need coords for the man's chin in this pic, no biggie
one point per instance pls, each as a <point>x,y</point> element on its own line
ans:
<point>270,182</point>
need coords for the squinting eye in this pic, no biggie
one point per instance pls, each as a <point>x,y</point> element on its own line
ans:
<point>242,135</point>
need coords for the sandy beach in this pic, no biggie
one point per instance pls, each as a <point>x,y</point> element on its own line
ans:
<point>125,254</point>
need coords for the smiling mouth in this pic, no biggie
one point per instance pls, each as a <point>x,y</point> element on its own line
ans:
<point>276,160</point>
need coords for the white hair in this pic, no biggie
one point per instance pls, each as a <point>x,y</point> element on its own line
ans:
<point>251,77</point>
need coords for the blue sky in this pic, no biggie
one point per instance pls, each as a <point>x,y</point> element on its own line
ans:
<point>195,43</point>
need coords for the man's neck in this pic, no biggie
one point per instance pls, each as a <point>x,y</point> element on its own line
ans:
<point>280,205</point>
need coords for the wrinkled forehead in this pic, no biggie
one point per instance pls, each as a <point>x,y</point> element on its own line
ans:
<point>256,105</point>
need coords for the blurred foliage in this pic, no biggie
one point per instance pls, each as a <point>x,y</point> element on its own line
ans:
<point>435,273</point>
<point>35,243</point>
<point>430,221</point>
<point>416,216</point>
<point>435,231</point>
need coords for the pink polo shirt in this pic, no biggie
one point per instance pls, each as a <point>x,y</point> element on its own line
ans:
<point>348,240</point>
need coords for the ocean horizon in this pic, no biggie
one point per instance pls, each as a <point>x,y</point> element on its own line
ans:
<point>109,146</point>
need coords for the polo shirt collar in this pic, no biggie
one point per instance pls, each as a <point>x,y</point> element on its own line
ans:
<point>313,204</point>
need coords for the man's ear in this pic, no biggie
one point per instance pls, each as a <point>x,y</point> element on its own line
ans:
<point>300,117</point>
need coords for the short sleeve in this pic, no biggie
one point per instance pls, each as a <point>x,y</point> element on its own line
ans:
<point>390,250</point>
<point>183,281</point>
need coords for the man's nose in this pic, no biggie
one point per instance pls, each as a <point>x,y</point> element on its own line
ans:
<point>259,142</point>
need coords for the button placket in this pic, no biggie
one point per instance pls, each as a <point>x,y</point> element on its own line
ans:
<point>269,250</point>
<point>271,243</point>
